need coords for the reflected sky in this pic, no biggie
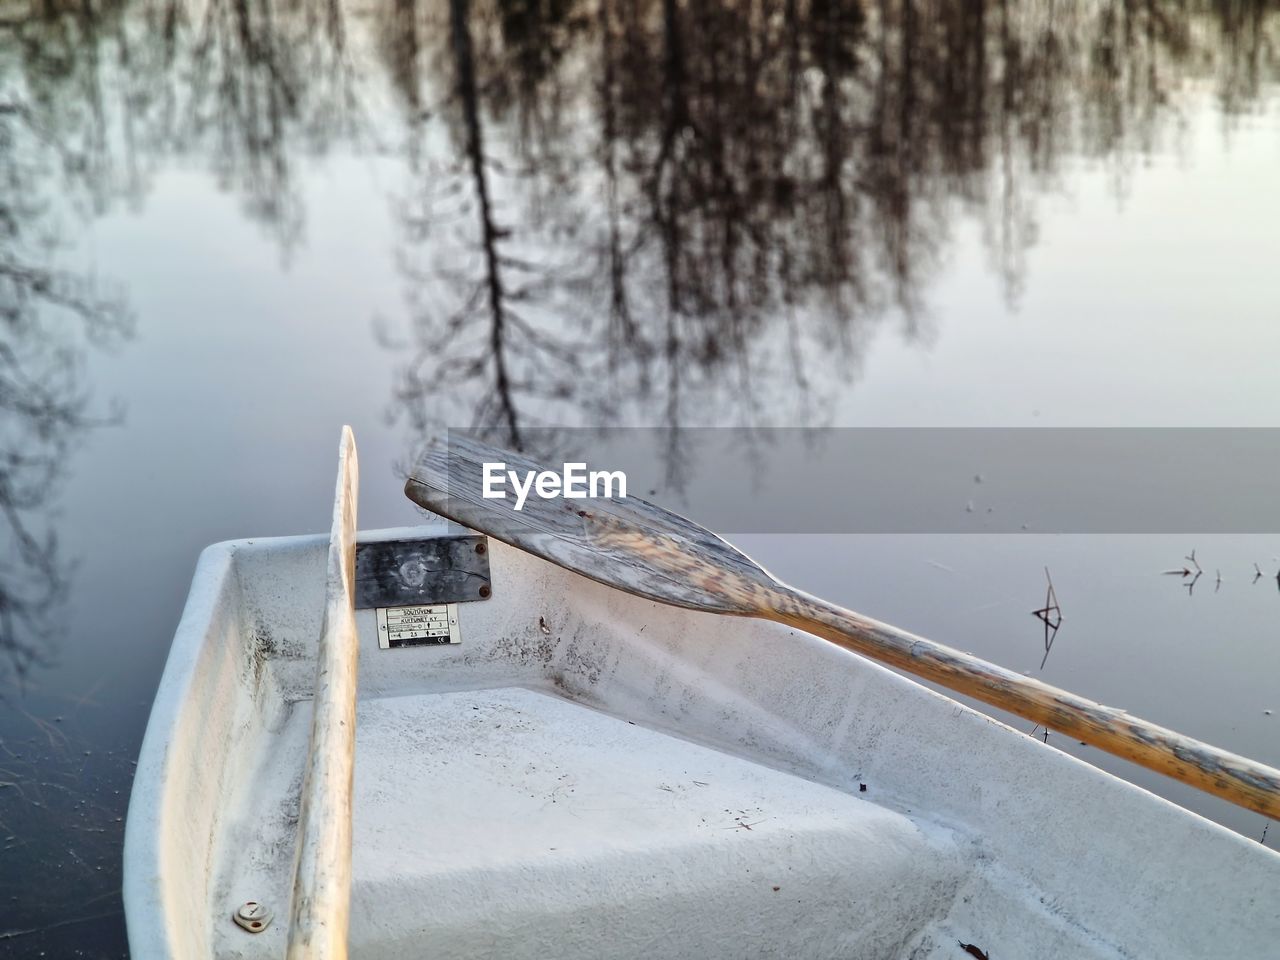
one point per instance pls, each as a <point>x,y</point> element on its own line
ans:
<point>228,227</point>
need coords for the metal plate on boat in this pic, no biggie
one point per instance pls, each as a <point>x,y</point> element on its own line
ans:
<point>415,626</point>
<point>433,570</point>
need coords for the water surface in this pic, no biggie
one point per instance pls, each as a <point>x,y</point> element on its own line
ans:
<point>228,227</point>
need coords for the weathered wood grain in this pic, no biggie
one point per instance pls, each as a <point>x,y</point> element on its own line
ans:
<point>643,549</point>
<point>592,537</point>
<point>322,872</point>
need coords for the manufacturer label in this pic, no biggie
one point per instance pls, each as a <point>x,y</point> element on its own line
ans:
<point>418,626</point>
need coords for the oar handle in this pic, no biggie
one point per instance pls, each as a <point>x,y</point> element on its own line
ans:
<point>1235,778</point>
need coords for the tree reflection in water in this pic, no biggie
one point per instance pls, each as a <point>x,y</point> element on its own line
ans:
<point>93,97</point>
<point>267,87</point>
<point>699,212</point>
<point>617,211</point>
<point>48,316</point>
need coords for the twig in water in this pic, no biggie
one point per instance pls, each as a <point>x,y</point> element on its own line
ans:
<point>1051,615</point>
<point>1265,827</point>
<point>1198,572</point>
<point>1193,571</point>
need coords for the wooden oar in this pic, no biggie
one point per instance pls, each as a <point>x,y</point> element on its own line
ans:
<point>648,551</point>
<point>321,902</point>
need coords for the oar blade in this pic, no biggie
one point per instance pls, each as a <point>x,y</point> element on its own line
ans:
<point>624,542</point>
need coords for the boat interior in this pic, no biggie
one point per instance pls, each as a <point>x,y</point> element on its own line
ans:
<point>586,774</point>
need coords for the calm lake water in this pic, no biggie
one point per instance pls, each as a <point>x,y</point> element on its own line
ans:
<point>226,228</point>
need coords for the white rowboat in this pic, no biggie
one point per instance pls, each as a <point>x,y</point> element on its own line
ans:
<point>576,772</point>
